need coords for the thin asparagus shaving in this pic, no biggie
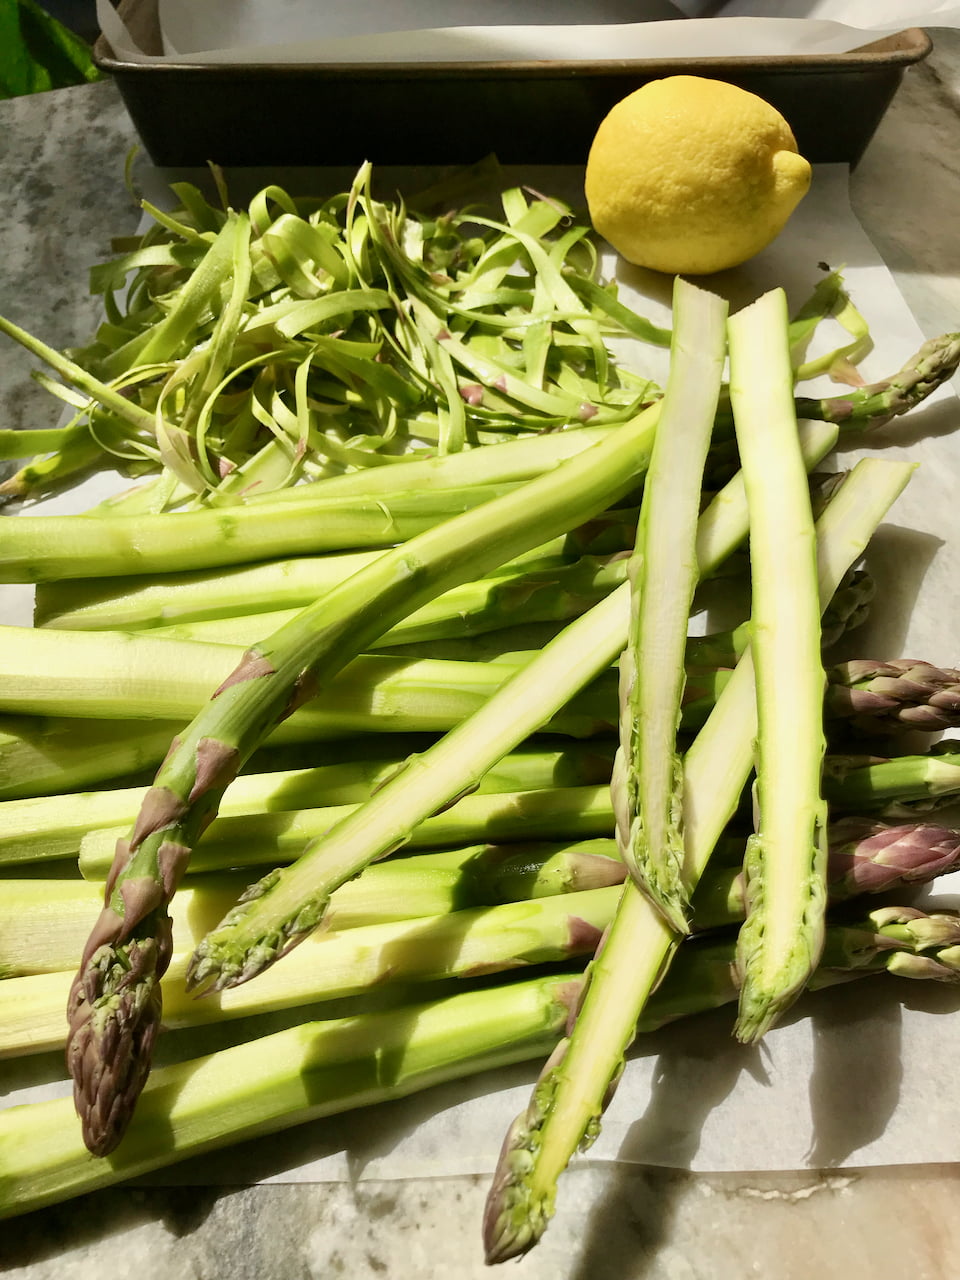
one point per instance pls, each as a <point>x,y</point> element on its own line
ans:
<point>114,1007</point>
<point>786,860</point>
<point>577,1083</point>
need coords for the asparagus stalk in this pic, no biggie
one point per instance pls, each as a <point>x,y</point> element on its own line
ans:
<point>899,787</point>
<point>879,696</point>
<point>294,1076</point>
<point>786,860</point>
<point>322,1068</point>
<point>40,548</point>
<point>52,826</point>
<point>874,405</point>
<point>114,1007</point>
<point>44,923</point>
<point>647,786</point>
<point>140,603</point>
<point>863,856</point>
<point>538,595</point>
<point>575,1085</point>
<point>333,966</point>
<point>270,839</point>
<point>275,916</point>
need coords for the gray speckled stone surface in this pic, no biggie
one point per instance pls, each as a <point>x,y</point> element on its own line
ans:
<point>61,197</point>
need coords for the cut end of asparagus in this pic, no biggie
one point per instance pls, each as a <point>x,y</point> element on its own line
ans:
<point>114,1015</point>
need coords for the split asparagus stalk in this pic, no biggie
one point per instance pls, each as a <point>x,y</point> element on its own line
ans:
<point>663,573</point>
<point>575,1085</point>
<point>321,1068</point>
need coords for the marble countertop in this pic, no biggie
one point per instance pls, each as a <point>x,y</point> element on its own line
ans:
<point>61,198</point>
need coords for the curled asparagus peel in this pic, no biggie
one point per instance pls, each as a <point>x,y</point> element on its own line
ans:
<point>578,1081</point>
<point>114,1005</point>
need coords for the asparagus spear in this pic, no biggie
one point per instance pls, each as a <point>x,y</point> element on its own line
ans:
<point>322,1068</point>
<point>333,966</point>
<point>575,1085</point>
<point>648,773</point>
<point>44,923</point>
<point>899,787</point>
<point>874,696</point>
<point>274,917</point>
<point>933,365</point>
<point>53,826</point>
<point>114,1007</point>
<point>863,856</point>
<point>786,860</point>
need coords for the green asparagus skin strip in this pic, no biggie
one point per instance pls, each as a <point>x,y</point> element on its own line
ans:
<point>647,787</point>
<point>115,1004</point>
<point>576,1084</point>
<point>52,826</point>
<point>786,860</point>
<point>333,966</point>
<point>322,1068</point>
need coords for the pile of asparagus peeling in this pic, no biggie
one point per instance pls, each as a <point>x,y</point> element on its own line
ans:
<point>364,624</point>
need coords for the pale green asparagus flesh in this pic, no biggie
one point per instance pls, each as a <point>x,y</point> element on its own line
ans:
<point>786,858</point>
<point>647,787</point>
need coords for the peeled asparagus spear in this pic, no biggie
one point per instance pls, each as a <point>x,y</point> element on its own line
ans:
<point>332,966</point>
<point>44,923</point>
<point>322,1068</point>
<point>564,1112</point>
<point>52,826</point>
<point>786,860</point>
<point>648,773</point>
<point>114,1007</point>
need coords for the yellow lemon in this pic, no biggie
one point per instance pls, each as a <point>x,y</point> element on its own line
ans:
<point>689,175</point>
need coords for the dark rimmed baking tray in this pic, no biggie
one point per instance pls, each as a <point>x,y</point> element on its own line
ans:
<point>438,113</point>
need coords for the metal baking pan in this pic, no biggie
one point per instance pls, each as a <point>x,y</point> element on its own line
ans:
<point>418,113</point>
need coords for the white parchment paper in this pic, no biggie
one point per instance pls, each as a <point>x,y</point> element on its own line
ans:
<point>513,30</point>
<point>855,1076</point>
